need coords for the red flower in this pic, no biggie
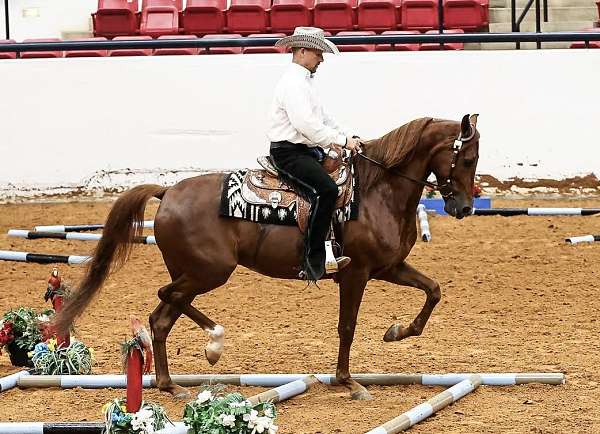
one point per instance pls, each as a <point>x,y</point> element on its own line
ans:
<point>6,334</point>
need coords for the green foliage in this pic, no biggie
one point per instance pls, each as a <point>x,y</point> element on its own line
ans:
<point>230,414</point>
<point>151,417</point>
<point>73,360</point>
<point>27,325</point>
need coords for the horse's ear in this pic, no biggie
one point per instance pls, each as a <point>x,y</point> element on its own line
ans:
<point>465,126</point>
<point>473,119</point>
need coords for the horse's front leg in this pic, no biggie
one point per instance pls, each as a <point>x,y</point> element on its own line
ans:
<point>352,286</point>
<point>404,274</point>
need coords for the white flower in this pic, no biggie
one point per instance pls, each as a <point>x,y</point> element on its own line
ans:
<point>227,420</point>
<point>273,428</point>
<point>43,318</point>
<point>237,404</point>
<point>269,412</point>
<point>204,396</point>
<point>143,420</point>
<point>263,423</point>
<point>251,418</point>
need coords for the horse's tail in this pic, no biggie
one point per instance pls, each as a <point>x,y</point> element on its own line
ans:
<point>124,223</point>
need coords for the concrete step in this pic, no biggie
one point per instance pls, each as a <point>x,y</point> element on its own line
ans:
<point>564,26</point>
<point>503,15</point>
<point>551,3</point>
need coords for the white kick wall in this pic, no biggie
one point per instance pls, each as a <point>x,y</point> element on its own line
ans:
<point>113,122</point>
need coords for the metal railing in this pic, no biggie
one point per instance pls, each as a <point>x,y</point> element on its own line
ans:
<point>441,38</point>
<point>516,22</point>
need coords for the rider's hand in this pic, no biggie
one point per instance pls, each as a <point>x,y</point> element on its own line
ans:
<point>353,144</point>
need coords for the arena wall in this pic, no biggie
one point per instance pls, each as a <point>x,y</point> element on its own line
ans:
<point>92,123</point>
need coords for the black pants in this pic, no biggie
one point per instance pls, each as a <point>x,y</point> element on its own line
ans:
<point>299,166</point>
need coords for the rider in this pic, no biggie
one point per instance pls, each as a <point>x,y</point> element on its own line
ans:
<point>299,128</point>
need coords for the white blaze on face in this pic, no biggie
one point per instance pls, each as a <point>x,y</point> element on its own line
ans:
<point>214,348</point>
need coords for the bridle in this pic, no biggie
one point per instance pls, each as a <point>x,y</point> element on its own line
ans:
<point>445,189</point>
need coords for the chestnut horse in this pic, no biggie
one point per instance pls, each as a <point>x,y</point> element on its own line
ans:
<point>201,249</point>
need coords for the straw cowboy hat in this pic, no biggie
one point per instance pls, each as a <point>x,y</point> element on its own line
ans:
<point>308,37</point>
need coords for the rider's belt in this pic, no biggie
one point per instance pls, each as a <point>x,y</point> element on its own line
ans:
<point>286,145</point>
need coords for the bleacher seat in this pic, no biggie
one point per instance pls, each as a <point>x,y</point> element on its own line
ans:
<point>257,50</point>
<point>160,17</point>
<point>447,46</point>
<point>378,15</point>
<point>174,51</point>
<point>41,54</point>
<point>581,44</point>
<point>131,51</point>
<point>398,47</point>
<point>354,48</point>
<point>248,16</point>
<point>88,53</point>
<point>286,15</point>
<point>419,14</point>
<point>222,50</point>
<point>465,14</point>
<point>6,54</point>
<point>335,15</point>
<point>204,17</point>
<point>115,18</point>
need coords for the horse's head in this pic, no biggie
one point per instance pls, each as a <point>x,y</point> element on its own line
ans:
<point>454,167</point>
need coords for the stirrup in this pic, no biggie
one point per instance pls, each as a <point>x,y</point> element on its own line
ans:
<point>333,264</point>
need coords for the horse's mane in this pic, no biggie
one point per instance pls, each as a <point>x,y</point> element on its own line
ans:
<point>394,149</point>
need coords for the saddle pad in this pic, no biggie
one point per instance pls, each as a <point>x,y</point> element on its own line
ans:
<point>234,205</point>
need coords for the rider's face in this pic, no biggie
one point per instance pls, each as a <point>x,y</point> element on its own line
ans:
<point>311,59</point>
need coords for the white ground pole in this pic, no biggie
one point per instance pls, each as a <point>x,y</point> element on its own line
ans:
<point>41,258</point>
<point>275,380</point>
<point>429,407</point>
<point>285,391</point>
<point>10,381</point>
<point>74,428</point>
<point>148,224</point>
<point>78,236</point>
<point>583,239</point>
<point>423,223</point>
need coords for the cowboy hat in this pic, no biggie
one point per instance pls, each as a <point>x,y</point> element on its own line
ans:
<point>308,37</point>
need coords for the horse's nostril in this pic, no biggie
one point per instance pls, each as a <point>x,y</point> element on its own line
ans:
<point>466,210</point>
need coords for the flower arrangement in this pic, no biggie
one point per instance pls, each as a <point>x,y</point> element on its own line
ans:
<point>21,330</point>
<point>212,413</point>
<point>49,359</point>
<point>150,418</point>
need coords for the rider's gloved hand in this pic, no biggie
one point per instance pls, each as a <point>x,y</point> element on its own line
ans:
<point>353,144</point>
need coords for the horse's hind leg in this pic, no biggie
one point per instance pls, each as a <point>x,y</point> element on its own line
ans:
<point>216,333</point>
<point>404,274</point>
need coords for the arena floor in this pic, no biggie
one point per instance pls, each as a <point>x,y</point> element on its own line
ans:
<point>515,298</point>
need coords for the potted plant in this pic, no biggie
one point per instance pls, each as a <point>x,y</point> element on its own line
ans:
<point>21,330</point>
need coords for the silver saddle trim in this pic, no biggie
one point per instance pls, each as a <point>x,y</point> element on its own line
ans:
<point>265,163</point>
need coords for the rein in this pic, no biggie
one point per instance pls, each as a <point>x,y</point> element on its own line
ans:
<point>445,189</point>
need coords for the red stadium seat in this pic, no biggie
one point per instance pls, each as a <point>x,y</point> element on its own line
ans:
<point>378,15</point>
<point>257,50</point>
<point>204,17</point>
<point>335,15</point>
<point>6,54</point>
<point>131,51</point>
<point>41,54</point>
<point>286,15</point>
<point>115,18</point>
<point>88,53</point>
<point>398,47</point>
<point>248,16</point>
<point>222,50</point>
<point>419,14</point>
<point>447,46</point>
<point>174,51</point>
<point>363,47</point>
<point>581,44</point>
<point>464,14</point>
<point>160,17</point>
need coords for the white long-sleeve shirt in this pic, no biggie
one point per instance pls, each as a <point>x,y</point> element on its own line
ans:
<point>297,115</point>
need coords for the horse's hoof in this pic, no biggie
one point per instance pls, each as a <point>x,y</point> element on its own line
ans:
<point>361,395</point>
<point>177,392</point>
<point>212,356</point>
<point>392,333</point>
